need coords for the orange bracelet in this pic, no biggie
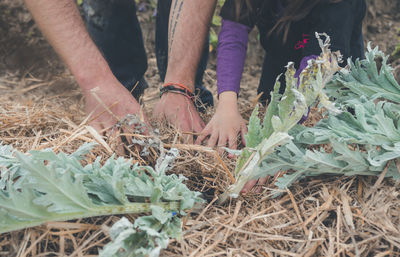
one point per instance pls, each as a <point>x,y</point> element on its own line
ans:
<point>176,90</point>
<point>179,85</point>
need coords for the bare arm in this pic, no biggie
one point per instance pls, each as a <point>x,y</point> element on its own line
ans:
<point>188,26</point>
<point>62,25</point>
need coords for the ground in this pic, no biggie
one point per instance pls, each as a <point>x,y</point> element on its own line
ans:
<point>41,106</point>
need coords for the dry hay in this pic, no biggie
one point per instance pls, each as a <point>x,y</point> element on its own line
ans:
<point>322,216</point>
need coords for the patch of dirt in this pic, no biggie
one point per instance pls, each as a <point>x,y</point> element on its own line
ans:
<point>23,49</point>
<point>382,24</point>
<point>382,28</point>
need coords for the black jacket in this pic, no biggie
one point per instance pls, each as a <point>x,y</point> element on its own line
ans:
<point>341,21</point>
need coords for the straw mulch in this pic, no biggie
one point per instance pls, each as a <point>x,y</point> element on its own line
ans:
<point>322,216</point>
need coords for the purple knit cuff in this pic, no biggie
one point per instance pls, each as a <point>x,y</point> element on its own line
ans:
<point>303,65</point>
<point>231,55</point>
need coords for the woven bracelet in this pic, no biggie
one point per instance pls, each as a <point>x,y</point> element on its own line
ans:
<point>177,89</point>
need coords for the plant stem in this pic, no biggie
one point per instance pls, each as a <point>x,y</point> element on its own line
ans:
<point>94,212</point>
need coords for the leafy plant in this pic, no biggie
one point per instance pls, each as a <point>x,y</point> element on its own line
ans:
<point>362,137</point>
<point>364,79</point>
<point>360,144</point>
<point>45,186</point>
<point>284,112</point>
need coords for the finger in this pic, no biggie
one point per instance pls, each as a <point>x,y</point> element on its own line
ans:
<point>232,143</point>
<point>200,138</point>
<point>188,139</point>
<point>203,134</point>
<point>260,183</point>
<point>248,186</point>
<point>183,125</point>
<point>243,132</point>
<point>186,130</point>
<point>212,141</point>
<point>158,114</point>
<point>222,140</point>
<point>197,124</point>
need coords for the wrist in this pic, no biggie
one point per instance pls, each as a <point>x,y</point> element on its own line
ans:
<point>91,73</point>
<point>227,100</point>
<point>177,88</point>
<point>88,82</point>
<point>189,84</point>
<point>172,96</point>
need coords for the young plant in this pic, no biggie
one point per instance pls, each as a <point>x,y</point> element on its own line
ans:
<point>359,144</point>
<point>283,113</point>
<point>363,137</point>
<point>44,186</point>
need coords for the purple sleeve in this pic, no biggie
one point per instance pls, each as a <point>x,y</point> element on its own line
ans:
<point>303,65</point>
<point>231,55</point>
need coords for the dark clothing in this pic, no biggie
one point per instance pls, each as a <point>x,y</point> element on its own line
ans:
<point>341,21</point>
<point>114,27</point>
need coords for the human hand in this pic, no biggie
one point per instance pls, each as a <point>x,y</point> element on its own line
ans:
<point>109,103</point>
<point>226,123</point>
<point>224,127</point>
<point>180,111</point>
<point>256,184</point>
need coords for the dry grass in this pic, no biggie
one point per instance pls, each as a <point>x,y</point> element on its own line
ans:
<point>322,216</point>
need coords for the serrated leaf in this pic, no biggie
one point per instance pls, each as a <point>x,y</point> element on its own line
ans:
<point>57,187</point>
<point>61,192</point>
<point>253,136</point>
<point>19,204</point>
<point>272,110</point>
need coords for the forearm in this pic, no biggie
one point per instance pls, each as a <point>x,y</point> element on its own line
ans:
<point>62,25</point>
<point>188,26</point>
<point>231,55</point>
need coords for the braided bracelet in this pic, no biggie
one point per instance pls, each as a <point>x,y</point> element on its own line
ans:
<point>177,89</point>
